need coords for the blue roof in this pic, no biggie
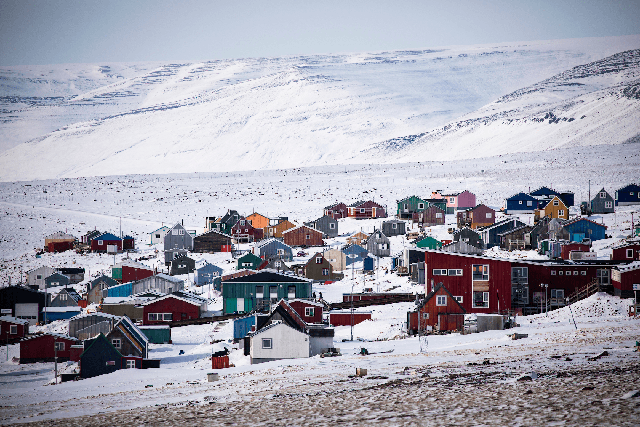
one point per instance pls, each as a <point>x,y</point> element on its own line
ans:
<point>522,196</point>
<point>107,236</point>
<point>544,191</point>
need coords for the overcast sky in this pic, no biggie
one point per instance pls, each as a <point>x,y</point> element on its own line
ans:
<point>90,31</point>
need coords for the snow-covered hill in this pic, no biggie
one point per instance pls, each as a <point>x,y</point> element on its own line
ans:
<point>87,120</point>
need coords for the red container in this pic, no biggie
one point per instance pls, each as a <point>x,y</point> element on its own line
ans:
<point>220,362</point>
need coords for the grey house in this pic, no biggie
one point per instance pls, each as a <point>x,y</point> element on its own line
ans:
<point>56,279</point>
<point>37,275</point>
<point>273,249</point>
<point>182,265</point>
<point>326,224</point>
<point>603,203</point>
<point>394,227</point>
<point>490,234</point>
<point>176,243</point>
<point>96,286</point>
<point>378,244</point>
<point>469,237</point>
<point>207,273</point>
<point>160,282</point>
<point>68,297</point>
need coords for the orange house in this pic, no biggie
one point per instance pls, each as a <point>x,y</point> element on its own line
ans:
<point>258,221</point>
<point>554,209</point>
<point>277,230</point>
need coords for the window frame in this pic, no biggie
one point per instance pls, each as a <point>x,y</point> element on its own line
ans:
<point>13,329</point>
<point>131,364</point>
<point>629,253</point>
<point>116,343</point>
<point>441,300</point>
<point>59,345</point>
<point>484,272</point>
<point>439,272</point>
<point>309,311</point>
<point>458,298</point>
<point>267,343</point>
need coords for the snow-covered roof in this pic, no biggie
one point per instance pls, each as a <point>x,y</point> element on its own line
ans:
<point>11,319</point>
<point>635,265</point>
<point>301,226</point>
<point>60,309</point>
<point>53,334</point>
<point>192,301</point>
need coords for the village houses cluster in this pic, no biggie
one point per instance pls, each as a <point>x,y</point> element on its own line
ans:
<point>113,317</point>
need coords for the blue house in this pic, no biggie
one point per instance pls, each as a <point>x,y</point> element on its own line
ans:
<point>490,234</point>
<point>99,357</point>
<point>274,249</point>
<point>628,195</point>
<point>56,279</point>
<point>521,203</point>
<point>50,314</point>
<point>207,274</point>
<point>355,253</point>
<point>544,193</point>
<point>584,228</point>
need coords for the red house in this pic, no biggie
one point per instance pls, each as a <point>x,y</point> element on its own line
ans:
<point>171,308</point>
<point>133,271</point>
<point>624,277</point>
<point>42,348</point>
<point>244,232</point>
<point>303,236</point>
<point>309,311</point>
<point>480,216</point>
<point>343,317</point>
<point>566,249</point>
<point>439,311</point>
<point>102,243</point>
<point>368,209</point>
<point>430,217</point>
<point>626,252</point>
<point>336,211</point>
<point>13,329</point>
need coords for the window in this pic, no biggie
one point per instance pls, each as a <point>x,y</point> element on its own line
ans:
<point>441,300</point>
<point>553,272</point>
<point>455,272</point>
<point>529,203</point>
<point>319,260</point>
<point>608,204</point>
<point>556,203</point>
<point>438,214</point>
<point>181,232</point>
<point>273,292</point>
<point>452,199</point>
<point>325,271</point>
<point>459,299</point>
<point>39,277</point>
<point>167,317</point>
<point>117,343</point>
<point>603,194</point>
<point>481,299</point>
<point>420,205</point>
<point>631,193</point>
<point>332,226</point>
<point>480,272</point>
<point>520,202</point>
<point>308,311</point>
<point>278,264</point>
<point>174,231</point>
<point>157,236</point>
<point>394,225</point>
<point>266,343</point>
<point>63,297</point>
<point>560,212</point>
<point>575,273</point>
<point>242,222</point>
<point>560,272</point>
<point>557,293</point>
<point>361,210</point>
<point>291,292</point>
<point>13,329</point>
<point>489,215</point>
<point>308,236</point>
<point>425,315</point>
<point>131,364</point>
<point>246,264</point>
<point>629,253</point>
<point>100,242</point>
<point>259,292</point>
<point>59,346</point>
<point>382,246</point>
<point>439,272</point>
<point>603,276</point>
<point>520,275</point>
<point>583,272</point>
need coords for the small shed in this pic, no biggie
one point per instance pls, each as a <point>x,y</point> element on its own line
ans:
<point>157,334</point>
<point>337,258</point>
<point>336,211</point>
<point>582,228</point>
<point>45,347</point>
<point>207,274</point>
<point>318,268</point>
<point>393,227</point>
<point>628,195</point>
<point>157,236</point>
<point>96,286</point>
<point>347,318</point>
<point>273,248</point>
<point>354,253</point>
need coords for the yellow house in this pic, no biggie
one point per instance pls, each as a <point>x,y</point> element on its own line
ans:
<point>258,221</point>
<point>554,209</point>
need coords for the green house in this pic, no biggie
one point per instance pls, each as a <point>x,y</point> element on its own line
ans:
<point>257,291</point>
<point>249,262</point>
<point>410,205</point>
<point>429,243</point>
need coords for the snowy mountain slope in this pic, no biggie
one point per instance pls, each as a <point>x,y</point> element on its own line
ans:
<point>82,120</point>
<point>591,104</point>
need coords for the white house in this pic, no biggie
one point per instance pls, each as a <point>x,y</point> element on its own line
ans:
<point>278,341</point>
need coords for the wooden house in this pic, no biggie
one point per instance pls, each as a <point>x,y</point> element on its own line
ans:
<point>439,203</point>
<point>158,283</point>
<point>224,223</point>
<point>429,243</point>
<point>393,227</point>
<point>59,242</point>
<point>22,302</point>
<point>278,229</point>
<point>244,232</point>
<point>514,238</point>
<point>358,238</point>
<point>431,216</point>
<point>318,268</point>
<point>628,195</point>
<point>272,248</point>
<point>326,224</point>
<point>67,297</point>
<point>157,236</point>
<point>96,286</point>
<point>348,318</point>
<point>521,203</point>
<point>310,311</point>
<point>602,203</point>
<point>366,209</point>
<point>177,242</point>
<point>461,247</point>
<point>207,273</point>
<point>182,265</point>
<point>470,237</point>
<point>628,251</point>
<point>555,208</point>
<point>212,241</point>
<point>459,201</point>
<point>277,265</point>
<point>259,290</point>
<point>105,242</point>
<point>249,261</point>
<point>354,253</point>
<point>13,329</point>
<point>410,206</point>
<point>36,276</point>
<point>337,258</point>
<point>336,211</point>
<point>582,228</point>
<point>172,308</point>
<point>89,236</point>
<point>623,279</point>
<point>258,221</point>
<point>438,311</point>
<point>490,234</point>
<point>99,357</point>
<point>45,347</point>
<point>129,271</point>
<point>378,244</point>
<point>479,216</point>
<point>546,229</point>
<point>51,314</point>
<point>56,280</point>
<point>303,236</point>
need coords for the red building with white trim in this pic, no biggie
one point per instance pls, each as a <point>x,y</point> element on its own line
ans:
<point>171,308</point>
<point>42,348</point>
<point>368,209</point>
<point>309,311</point>
<point>13,329</point>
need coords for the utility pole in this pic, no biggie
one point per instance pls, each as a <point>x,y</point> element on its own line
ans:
<point>55,357</point>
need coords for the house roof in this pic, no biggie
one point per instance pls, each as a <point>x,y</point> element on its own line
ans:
<point>94,340</point>
<point>107,236</point>
<point>434,292</point>
<point>410,197</point>
<point>60,235</point>
<point>265,242</point>
<point>635,265</point>
<point>631,186</point>
<point>334,205</point>
<point>61,309</point>
<point>15,320</point>
<point>52,334</point>
<point>513,230</point>
<point>164,228</point>
<point>181,298</point>
<point>103,278</point>
<point>72,294</point>
<point>574,221</point>
<point>500,223</point>
<point>267,276</point>
<point>543,191</point>
<point>215,232</point>
<point>522,196</point>
<point>301,226</point>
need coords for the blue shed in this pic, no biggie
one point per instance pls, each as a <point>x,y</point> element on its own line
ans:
<point>628,195</point>
<point>242,326</point>
<point>584,228</point>
<point>207,274</point>
<point>368,264</point>
<point>99,357</point>
<point>124,290</point>
<point>60,313</point>
<point>355,253</point>
<point>521,203</point>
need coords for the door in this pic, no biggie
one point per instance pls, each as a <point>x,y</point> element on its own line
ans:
<point>28,312</point>
<point>240,305</point>
<point>577,237</point>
